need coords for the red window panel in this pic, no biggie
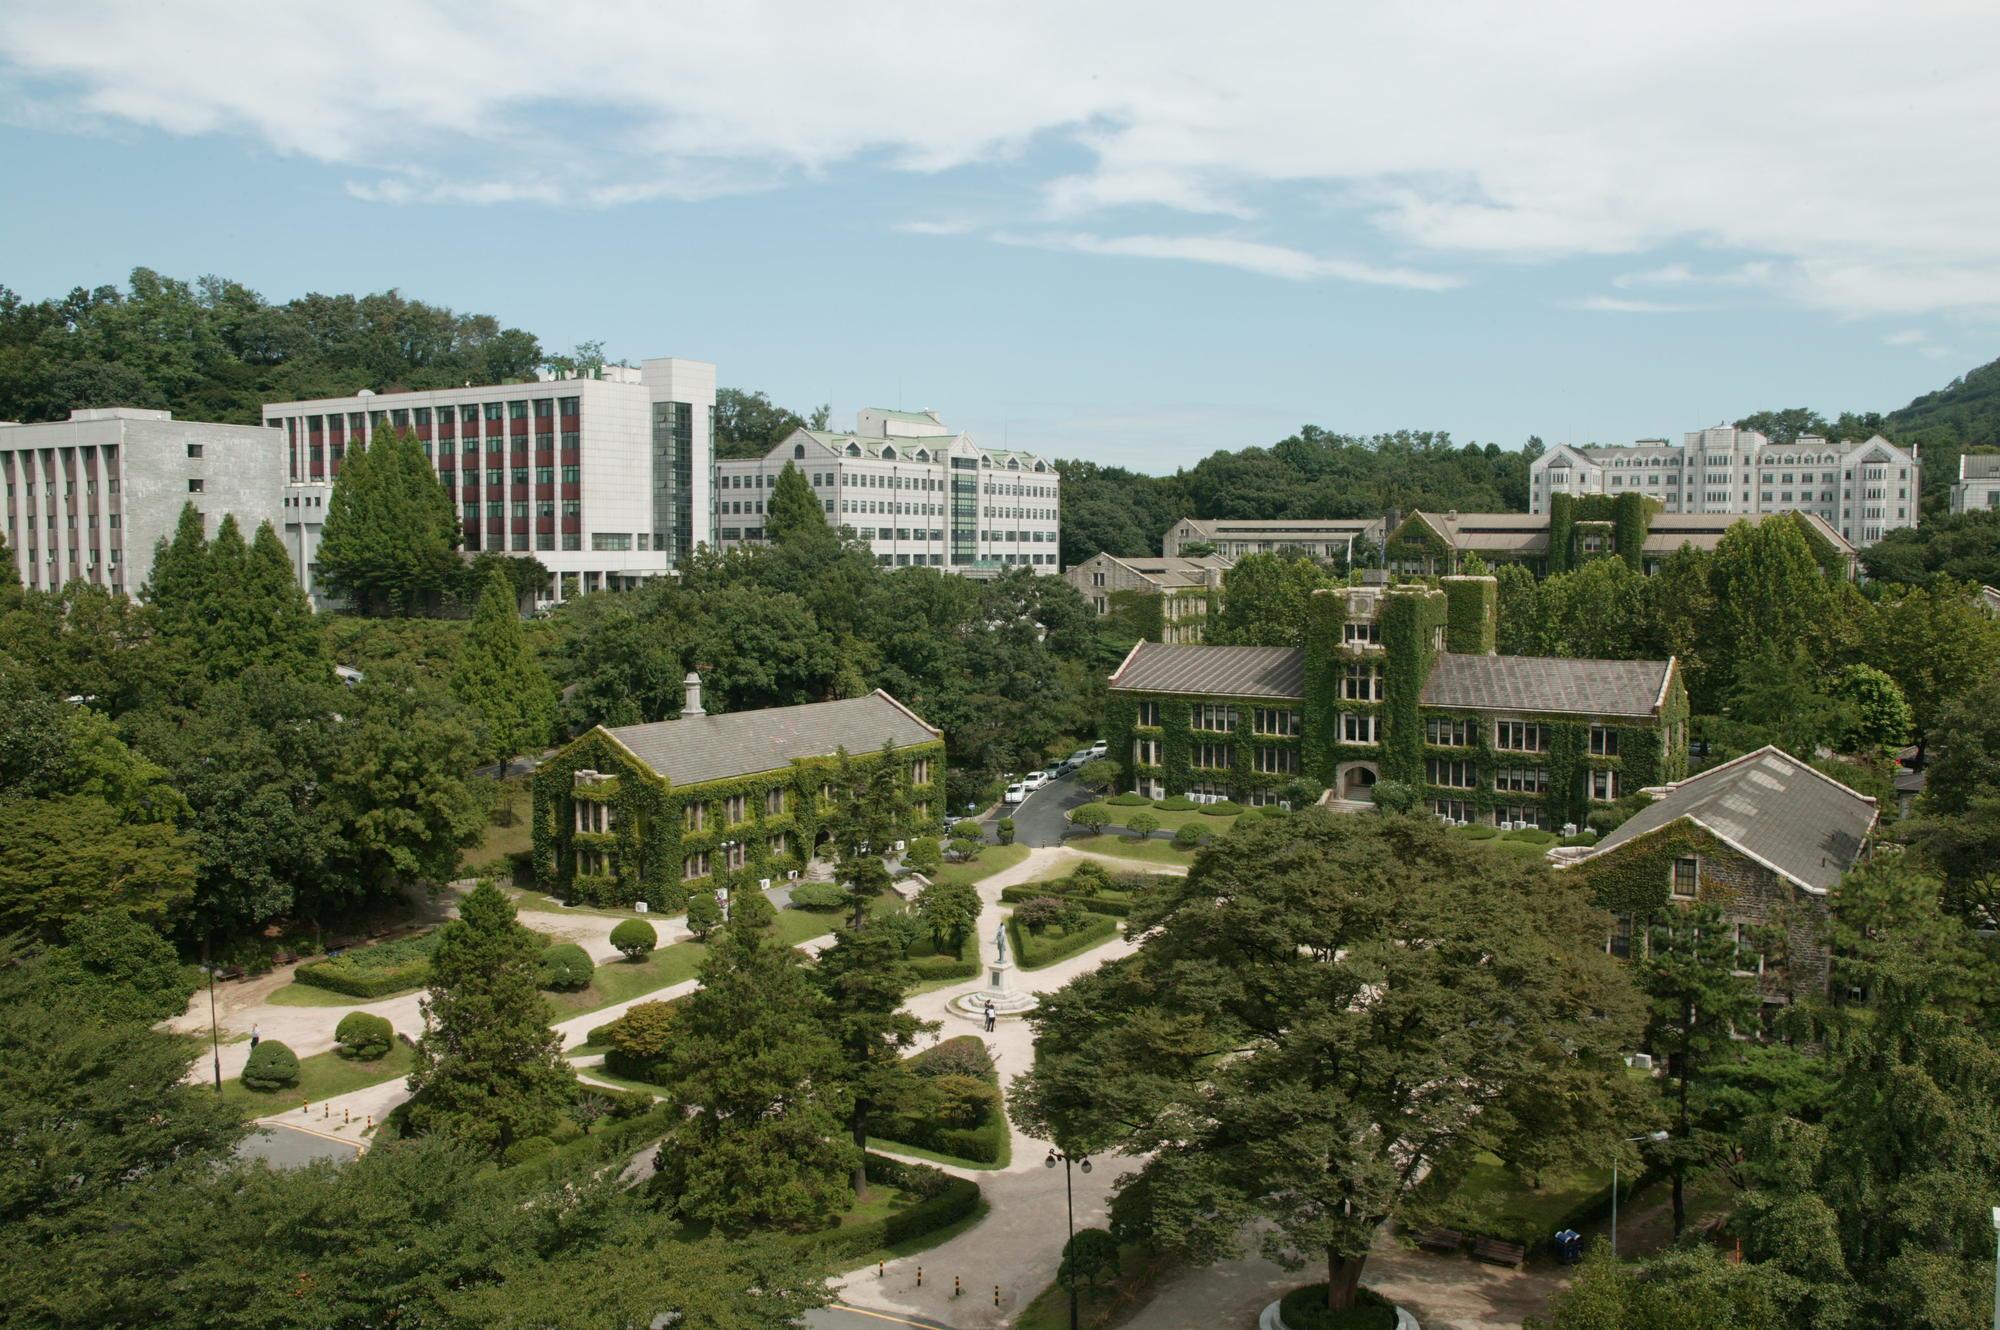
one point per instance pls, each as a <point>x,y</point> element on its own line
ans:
<point>544,456</point>
<point>545,525</point>
<point>520,525</point>
<point>517,427</point>
<point>573,490</point>
<point>572,524</point>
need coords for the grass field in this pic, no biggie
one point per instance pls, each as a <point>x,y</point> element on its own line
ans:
<point>995,859</point>
<point>1493,1189</point>
<point>621,980</point>
<point>1125,847</point>
<point>507,827</point>
<point>526,898</point>
<point>1175,821</point>
<point>321,1076</point>
<point>296,994</point>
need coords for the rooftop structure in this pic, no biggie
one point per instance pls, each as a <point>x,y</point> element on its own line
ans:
<point>1184,587</point>
<point>1431,543</point>
<point>1331,538</point>
<point>1978,487</point>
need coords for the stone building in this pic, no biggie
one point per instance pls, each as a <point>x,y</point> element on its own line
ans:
<point>1426,544</point>
<point>651,812</point>
<point>1978,487</point>
<point>1183,590</point>
<point>1330,538</point>
<point>1765,837</point>
<point>1398,683</point>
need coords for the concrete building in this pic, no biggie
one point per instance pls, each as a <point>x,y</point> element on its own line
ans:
<point>1860,488</point>
<point>1185,588</point>
<point>1978,487</point>
<point>1430,543</point>
<point>1765,837</point>
<point>920,493</point>
<point>1398,683</point>
<point>653,812</point>
<point>605,480</point>
<point>88,498</point>
<point>1330,539</point>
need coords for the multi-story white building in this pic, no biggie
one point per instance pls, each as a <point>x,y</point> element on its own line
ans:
<point>89,498</point>
<point>1978,487</point>
<point>920,493</point>
<point>605,480</point>
<point>1862,488</point>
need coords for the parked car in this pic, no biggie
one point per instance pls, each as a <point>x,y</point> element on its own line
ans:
<point>1015,793</point>
<point>1098,749</point>
<point>1034,780</point>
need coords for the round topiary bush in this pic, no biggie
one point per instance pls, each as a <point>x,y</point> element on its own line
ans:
<point>818,896</point>
<point>1130,800</point>
<point>1479,832</point>
<point>1190,835</point>
<point>1305,1309</point>
<point>566,967</point>
<point>1224,809</point>
<point>1004,828</point>
<point>272,1066</point>
<point>967,831</point>
<point>704,916</point>
<point>1091,1257</point>
<point>924,854</point>
<point>634,937</point>
<point>365,1036</point>
<point>1141,824</point>
<point>1249,817</point>
<point>1175,803</point>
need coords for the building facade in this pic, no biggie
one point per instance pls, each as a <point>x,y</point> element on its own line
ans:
<point>88,498</point>
<point>1861,488</point>
<point>1978,487</point>
<point>606,480</point>
<point>1330,539</point>
<point>1398,683</point>
<point>921,494</point>
<point>1580,530</point>
<point>653,812</point>
<point>1765,838</point>
<point>1182,590</point>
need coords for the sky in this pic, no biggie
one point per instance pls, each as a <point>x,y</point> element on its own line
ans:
<point>1134,233</point>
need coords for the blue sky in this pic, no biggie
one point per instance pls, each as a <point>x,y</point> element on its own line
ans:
<point>1133,233</point>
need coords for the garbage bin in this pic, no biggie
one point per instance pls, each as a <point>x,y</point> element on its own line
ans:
<point>1569,1246</point>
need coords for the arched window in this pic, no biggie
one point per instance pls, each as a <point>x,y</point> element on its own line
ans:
<point>798,450</point>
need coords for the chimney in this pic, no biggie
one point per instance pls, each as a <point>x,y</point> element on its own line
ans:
<point>693,707</point>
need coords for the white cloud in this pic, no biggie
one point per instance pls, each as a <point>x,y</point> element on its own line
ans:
<point>934,228</point>
<point>1617,305</point>
<point>1453,131</point>
<point>1248,255</point>
<point>1907,337</point>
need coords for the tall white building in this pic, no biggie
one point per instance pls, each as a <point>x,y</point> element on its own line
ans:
<point>1978,487</point>
<point>88,498</point>
<point>605,480</point>
<point>920,494</point>
<point>1862,488</point>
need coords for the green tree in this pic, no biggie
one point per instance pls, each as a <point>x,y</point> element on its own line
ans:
<point>755,1141</point>
<point>1264,599</point>
<point>271,619</point>
<point>1092,817</point>
<point>748,424</point>
<point>178,586</point>
<point>1958,822</point>
<point>489,1070</point>
<point>634,938</point>
<point>1768,590</point>
<point>792,507</point>
<point>66,857</point>
<point>864,976</point>
<point>950,910</point>
<point>391,534</point>
<point>1878,715</point>
<point>1281,1048</point>
<point>1936,643</point>
<point>498,676</point>
<point>114,968</point>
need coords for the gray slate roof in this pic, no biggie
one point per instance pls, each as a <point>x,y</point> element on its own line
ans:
<point>1156,667</point>
<point>1773,807</point>
<point>742,743</point>
<point>1540,683</point>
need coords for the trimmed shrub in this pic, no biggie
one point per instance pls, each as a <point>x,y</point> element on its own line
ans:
<point>1249,817</point>
<point>1176,803</point>
<point>1004,828</point>
<point>566,967</point>
<point>634,937</point>
<point>1394,796</point>
<point>946,1201</point>
<point>968,830</point>
<point>923,855</point>
<point>1036,952</point>
<point>1086,879</point>
<point>1477,832</point>
<point>1190,835</point>
<point>704,916</point>
<point>1038,913</point>
<point>528,1147</point>
<point>637,1041</point>
<point>819,896</point>
<point>962,1101</point>
<point>964,849</point>
<point>1141,824</point>
<point>1091,1257</point>
<point>373,972</point>
<point>1091,817</point>
<point>272,1066</point>
<point>1533,836</point>
<point>1305,1309</point>
<point>1226,808</point>
<point>927,969</point>
<point>1130,799</point>
<point>960,1055</point>
<point>364,1035</point>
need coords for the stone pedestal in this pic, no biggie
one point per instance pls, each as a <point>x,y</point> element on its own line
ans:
<point>1006,1000</point>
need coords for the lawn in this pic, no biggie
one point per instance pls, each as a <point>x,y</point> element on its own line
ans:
<point>1125,847</point>
<point>994,859</point>
<point>1493,1190</point>
<point>508,830</point>
<point>305,995</point>
<point>526,898</point>
<point>321,1076</point>
<point>1050,1308</point>
<point>1174,821</point>
<point>622,980</point>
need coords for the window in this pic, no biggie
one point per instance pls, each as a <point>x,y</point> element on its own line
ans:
<point>1605,785</point>
<point>611,540</point>
<point>733,805</point>
<point>1276,761</point>
<point>1521,738</point>
<point>695,816</point>
<point>778,845</point>
<point>1603,741</point>
<point>1219,718</point>
<point>572,474</point>
<point>1448,733</point>
<point>1357,727</point>
<point>1687,878</point>
<point>1362,683</point>
<point>774,802</point>
<point>194,486</point>
<point>1147,713</point>
<point>1265,720</point>
<point>1457,810</point>
<point>1620,942</point>
<point>1358,633</point>
<point>694,866</point>
<point>1452,775</point>
<point>1527,817</point>
<point>194,450</point>
<point>1526,780</point>
<point>733,855</point>
<point>920,771</point>
<point>1214,757</point>
<point>1146,752</point>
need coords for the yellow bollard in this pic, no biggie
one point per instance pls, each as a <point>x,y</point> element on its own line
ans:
<point>955,1289</point>
<point>881,1269</point>
<point>306,1107</point>
<point>326,1110</point>
<point>920,1276</point>
<point>346,1117</point>
<point>996,1295</point>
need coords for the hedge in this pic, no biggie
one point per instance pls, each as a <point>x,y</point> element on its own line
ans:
<point>1130,800</point>
<point>1305,1309</point>
<point>619,1137</point>
<point>1176,803</point>
<point>978,1145</point>
<point>373,972</point>
<point>952,1201</point>
<point>927,968</point>
<point>1476,832</point>
<point>1047,950</point>
<point>1227,808</point>
<point>1094,904</point>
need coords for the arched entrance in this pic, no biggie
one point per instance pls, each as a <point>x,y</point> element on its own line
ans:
<point>1357,782</point>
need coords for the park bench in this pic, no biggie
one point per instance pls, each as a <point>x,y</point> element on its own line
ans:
<point>1441,1239</point>
<point>229,972</point>
<point>1496,1252</point>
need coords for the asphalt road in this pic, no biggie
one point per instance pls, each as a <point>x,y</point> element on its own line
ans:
<point>840,1317</point>
<point>289,1147</point>
<point>1040,819</point>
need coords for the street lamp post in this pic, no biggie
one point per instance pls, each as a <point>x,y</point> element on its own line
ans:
<point>1643,1136</point>
<point>214,1035</point>
<point>1069,1196</point>
<point>1996,1267</point>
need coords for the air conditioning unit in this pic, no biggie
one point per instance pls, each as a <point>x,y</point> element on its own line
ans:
<point>791,875</point>
<point>640,906</point>
<point>764,883</point>
<point>1639,1061</point>
<point>899,847</point>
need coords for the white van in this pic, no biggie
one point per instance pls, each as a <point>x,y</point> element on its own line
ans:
<point>1014,794</point>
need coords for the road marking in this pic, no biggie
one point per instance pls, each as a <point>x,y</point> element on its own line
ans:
<point>883,1316</point>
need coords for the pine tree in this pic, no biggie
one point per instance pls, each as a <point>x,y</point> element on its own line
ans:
<point>391,531</point>
<point>230,634</point>
<point>756,1136</point>
<point>489,1069</point>
<point>497,675</point>
<point>793,507</point>
<point>864,975</point>
<point>177,589</point>
<point>290,639</point>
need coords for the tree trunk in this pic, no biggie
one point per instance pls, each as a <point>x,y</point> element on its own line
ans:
<point>1343,1279</point>
<point>857,1123</point>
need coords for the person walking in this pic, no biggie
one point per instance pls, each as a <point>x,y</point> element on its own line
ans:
<point>991,1015</point>
<point>257,1035</point>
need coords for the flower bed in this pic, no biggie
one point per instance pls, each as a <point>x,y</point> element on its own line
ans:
<point>373,972</point>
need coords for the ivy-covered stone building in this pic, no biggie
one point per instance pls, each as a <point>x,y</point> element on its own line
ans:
<point>652,812</point>
<point>1398,683</point>
<point>1764,837</point>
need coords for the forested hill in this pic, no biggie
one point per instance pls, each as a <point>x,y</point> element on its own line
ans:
<point>215,349</point>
